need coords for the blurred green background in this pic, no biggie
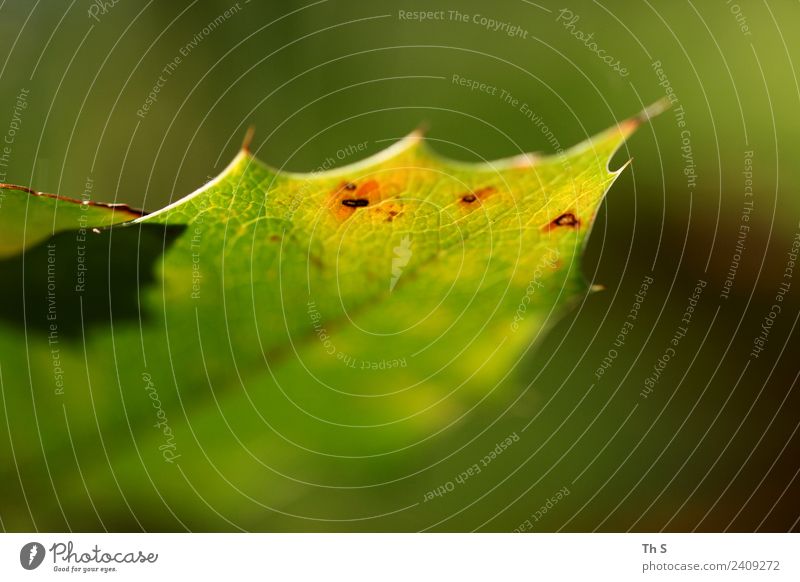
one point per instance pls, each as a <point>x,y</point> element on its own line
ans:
<point>715,446</point>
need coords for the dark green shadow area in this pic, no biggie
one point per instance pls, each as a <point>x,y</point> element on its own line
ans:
<point>80,279</point>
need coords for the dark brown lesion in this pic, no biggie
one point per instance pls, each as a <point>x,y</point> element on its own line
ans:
<point>378,198</point>
<point>567,219</point>
<point>348,197</point>
<point>355,202</point>
<point>389,210</point>
<point>477,195</point>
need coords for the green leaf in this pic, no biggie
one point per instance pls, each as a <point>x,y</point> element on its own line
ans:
<point>286,351</point>
<point>29,217</point>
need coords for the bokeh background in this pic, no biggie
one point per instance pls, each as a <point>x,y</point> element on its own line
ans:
<point>715,446</point>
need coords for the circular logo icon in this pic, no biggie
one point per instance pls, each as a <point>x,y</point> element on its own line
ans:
<point>31,555</point>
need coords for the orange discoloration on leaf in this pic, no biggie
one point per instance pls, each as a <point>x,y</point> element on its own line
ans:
<point>349,197</point>
<point>478,195</point>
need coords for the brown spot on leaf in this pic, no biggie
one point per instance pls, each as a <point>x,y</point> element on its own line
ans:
<point>348,197</point>
<point>478,195</point>
<point>567,219</point>
<point>389,210</point>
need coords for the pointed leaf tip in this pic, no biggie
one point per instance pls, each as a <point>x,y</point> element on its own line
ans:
<point>248,139</point>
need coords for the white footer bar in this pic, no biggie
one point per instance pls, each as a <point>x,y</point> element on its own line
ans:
<point>400,557</point>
